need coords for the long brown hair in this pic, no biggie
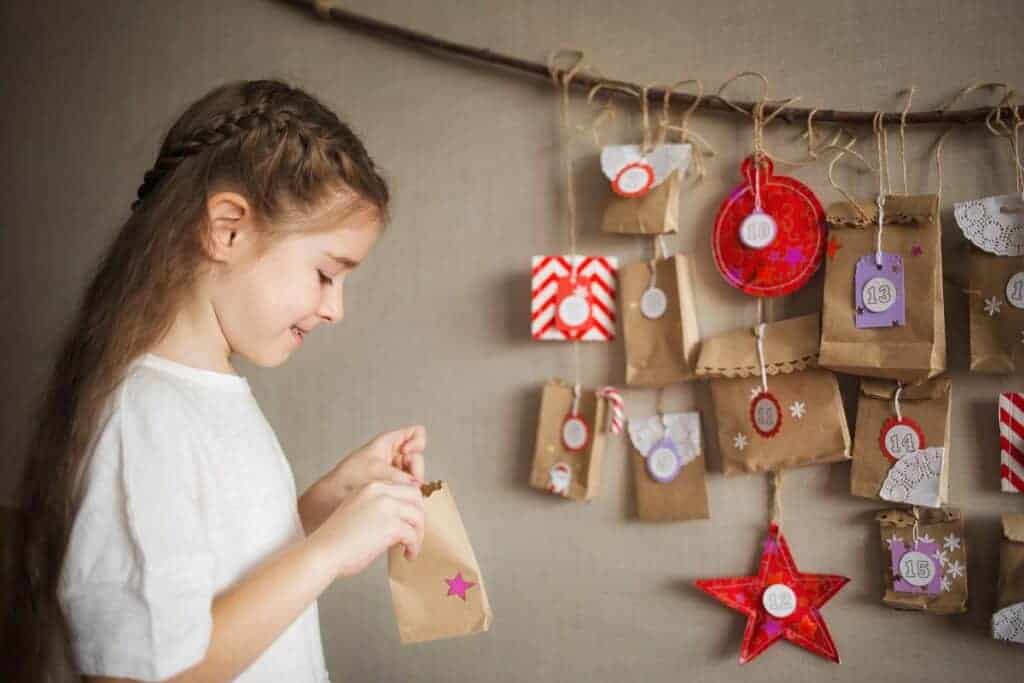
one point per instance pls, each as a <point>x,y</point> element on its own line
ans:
<point>288,154</point>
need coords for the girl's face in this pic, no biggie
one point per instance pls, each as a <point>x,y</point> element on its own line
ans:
<point>267,301</point>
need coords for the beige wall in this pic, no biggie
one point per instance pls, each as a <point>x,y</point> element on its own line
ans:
<point>437,322</point>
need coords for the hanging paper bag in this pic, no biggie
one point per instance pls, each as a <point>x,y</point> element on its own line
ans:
<point>996,308</point>
<point>925,559</point>
<point>668,466</point>
<point>1011,441</point>
<point>659,321</point>
<point>441,593</point>
<point>1008,620</point>
<point>901,442</point>
<point>883,317</point>
<point>798,421</point>
<point>570,441</point>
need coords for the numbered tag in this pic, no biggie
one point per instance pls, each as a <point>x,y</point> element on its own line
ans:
<point>634,180</point>
<point>664,461</point>
<point>765,414</point>
<point>575,433</point>
<point>916,569</point>
<point>1015,290</point>
<point>758,230</point>
<point>559,478</point>
<point>878,292</point>
<point>899,438</point>
<point>573,314</point>
<point>653,303</point>
<point>779,600</point>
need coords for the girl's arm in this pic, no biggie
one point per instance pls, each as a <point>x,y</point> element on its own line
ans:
<point>317,504</point>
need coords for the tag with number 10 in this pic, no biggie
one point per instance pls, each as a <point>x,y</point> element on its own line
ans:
<point>879,299</point>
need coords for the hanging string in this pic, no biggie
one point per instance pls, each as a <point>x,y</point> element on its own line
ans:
<point>903,137</point>
<point>608,111</point>
<point>564,78</point>
<point>701,147</point>
<point>884,182</point>
<point>776,496</point>
<point>759,333</point>
<point>896,401</point>
<point>756,113</point>
<point>995,124</point>
<point>645,117</point>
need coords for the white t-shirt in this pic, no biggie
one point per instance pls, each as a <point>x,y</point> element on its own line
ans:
<point>186,490</point>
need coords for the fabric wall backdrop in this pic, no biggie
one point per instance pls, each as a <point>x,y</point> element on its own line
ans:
<point>437,326</point>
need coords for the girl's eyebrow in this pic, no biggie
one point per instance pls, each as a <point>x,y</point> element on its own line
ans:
<point>345,261</point>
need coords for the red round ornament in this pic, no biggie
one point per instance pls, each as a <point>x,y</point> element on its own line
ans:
<point>898,438</point>
<point>765,414</point>
<point>634,180</point>
<point>777,255</point>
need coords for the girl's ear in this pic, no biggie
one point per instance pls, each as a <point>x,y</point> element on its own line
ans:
<point>229,218</point>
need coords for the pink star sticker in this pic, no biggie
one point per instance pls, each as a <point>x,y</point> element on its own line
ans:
<point>458,586</point>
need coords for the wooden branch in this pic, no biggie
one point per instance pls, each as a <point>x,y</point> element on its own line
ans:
<point>585,80</point>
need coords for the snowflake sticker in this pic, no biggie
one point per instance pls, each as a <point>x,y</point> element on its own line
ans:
<point>798,409</point>
<point>951,542</point>
<point>739,442</point>
<point>945,584</point>
<point>992,306</point>
<point>955,569</point>
<point>941,556</point>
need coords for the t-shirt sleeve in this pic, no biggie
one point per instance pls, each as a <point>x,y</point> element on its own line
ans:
<point>137,583</point>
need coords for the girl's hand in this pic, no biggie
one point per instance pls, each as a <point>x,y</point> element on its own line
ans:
<point>369,522</point>
<point>395,456</point>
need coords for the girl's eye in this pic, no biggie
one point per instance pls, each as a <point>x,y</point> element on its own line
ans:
<point>324,279</point>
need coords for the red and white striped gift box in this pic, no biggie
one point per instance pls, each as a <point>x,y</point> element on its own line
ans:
<point>1011,441</point>
<point>590,314</point>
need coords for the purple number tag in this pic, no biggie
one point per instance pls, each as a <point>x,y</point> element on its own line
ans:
<point>879,299</point>
<point>917,569</point>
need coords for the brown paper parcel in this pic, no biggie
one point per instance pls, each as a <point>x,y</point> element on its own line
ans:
<point>685,497</point>
<point>656,213</point>
<point>928,404</point>
<point>427,592</point>
<point>663,350</point>
<point>813,427</point>
<point>1008,620</point>
<point>996,324</point>
<point>939,525</point>
<point>912,352</point>
<point>578,474</point>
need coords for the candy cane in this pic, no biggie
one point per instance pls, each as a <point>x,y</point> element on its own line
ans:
<point>614,399</point>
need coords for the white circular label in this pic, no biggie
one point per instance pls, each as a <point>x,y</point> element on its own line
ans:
<point>574,310</point>
<point>779,600</point>
<point>766,414</point>
<point>758,230</point>
<point>574,433</point>
<point>663,464</point>
<point>1015,290</point>
<point>653,303</point>
<point>879,294</point>
<point>635,179</point>
<point>917,569</point>
<point>901,440</point>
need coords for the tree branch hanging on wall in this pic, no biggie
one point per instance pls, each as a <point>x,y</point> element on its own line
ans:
<point>585,80</point>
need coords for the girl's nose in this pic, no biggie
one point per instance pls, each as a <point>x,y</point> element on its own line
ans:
<point>332,309</point>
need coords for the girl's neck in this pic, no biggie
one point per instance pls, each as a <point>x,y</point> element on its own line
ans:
<point>196,339</point>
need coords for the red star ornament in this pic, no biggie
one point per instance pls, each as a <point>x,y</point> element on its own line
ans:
<point>780,602</point>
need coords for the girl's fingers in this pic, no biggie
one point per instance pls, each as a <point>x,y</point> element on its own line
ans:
<point>414,440</point>
<point>398,476</point>
<point>413,464</point>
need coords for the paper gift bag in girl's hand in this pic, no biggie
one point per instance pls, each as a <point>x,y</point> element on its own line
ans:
<point>925,560</point>
<point>1008,620</point>
<point>798,421</point>
<point>644,197</point>
<point>901,443</point>
<point>441,593</point>
<point>884,320</point>
<point>659,321</point>
<point>570,441</point>
<point>668,465</point>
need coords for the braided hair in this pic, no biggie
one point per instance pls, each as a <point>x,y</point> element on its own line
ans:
<point>286,152</point>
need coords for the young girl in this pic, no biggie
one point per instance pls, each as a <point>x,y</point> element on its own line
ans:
<point>163,536</point>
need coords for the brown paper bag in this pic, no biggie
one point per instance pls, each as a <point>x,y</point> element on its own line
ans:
<point>556,469</point>
<point>668,466</point>
<point>912,352</point>
<point>660,350</point>
<point>441,593</point>
<point>925,409</point>
<point>656,213</point>
<point>995,322</point>
<point>1008,620</point>
<point>934,578</point>
<point>811,428</point>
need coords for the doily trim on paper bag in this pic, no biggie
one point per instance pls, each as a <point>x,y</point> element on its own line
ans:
<point>1008,623</point>
<point>988,227</point>
<point>914,479</point>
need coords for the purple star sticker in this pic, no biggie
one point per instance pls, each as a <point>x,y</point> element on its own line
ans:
<point>458,586</point>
